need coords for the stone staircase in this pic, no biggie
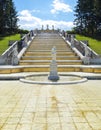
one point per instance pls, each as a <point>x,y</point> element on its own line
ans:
<point>38,55</point>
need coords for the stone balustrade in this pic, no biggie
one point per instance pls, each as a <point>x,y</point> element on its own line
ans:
<point>87,55</point>
<point>10,56</point>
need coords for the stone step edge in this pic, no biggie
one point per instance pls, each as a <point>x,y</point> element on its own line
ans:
<point>50,56</point>
<point>40,61</point>
<point>67,50</point>
<point>70,68</point>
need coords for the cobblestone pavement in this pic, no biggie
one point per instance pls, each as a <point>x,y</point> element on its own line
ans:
<point>50,107</point>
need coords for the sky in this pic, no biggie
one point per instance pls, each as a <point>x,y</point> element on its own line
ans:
<point>33,14</point>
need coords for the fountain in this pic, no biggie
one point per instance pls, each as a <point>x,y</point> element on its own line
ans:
<point>53,78</point>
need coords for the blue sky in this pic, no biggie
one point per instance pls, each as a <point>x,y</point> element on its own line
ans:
<point>35,13</point>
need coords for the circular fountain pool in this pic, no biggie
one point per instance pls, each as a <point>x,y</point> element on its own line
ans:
<point>43,79</point>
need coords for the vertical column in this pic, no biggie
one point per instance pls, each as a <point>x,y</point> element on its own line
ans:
<point>47,27</point>
<point>72,41</point>
<point>53,27</point>
<point>42,28</point>
<point>86,58</point>
<point>14,55</point>
<point>53,67</point>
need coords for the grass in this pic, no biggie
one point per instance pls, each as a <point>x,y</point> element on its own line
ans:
<point>93,43</point>
<point>5,40</point>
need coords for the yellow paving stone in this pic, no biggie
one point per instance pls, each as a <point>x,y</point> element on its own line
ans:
<point>68,126</point>
<point>98,113</point>
<point>4,115</point>
<point>51,120</point>
<point>23,127</point>
<point>83,126</point>
<point>91,117</point>
<point>9,127</point>
<point>39,127</point>
<point>50,107</point>
<point>96,126</point>
<point>15,115</point>
<point>41,120</point>
<point>1,125</point>
<point>66,119</point>
<point>26,120</point>
<point>3,120</point>
<point>41,114</point>
<point>13,120</point>
<point>77,113</point>
<point>52,114</point>
<point>79,119</point>
<point>64,113</point>
<point>54,126</point>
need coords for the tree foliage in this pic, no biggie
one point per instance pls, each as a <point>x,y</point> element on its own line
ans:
<point>88,17</point>
<point>8,17</point>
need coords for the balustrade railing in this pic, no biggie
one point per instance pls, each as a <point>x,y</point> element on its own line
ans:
<point>10,56</point>
<point>88,55</point>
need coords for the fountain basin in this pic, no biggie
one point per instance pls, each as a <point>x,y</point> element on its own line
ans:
<point>43,79</point>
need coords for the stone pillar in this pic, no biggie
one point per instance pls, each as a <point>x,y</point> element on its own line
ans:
<point>42,28</point>
<point>86,58</point>
<point>24,41</point>
<point>30,35</point>
<point>72,41</point>
<point>53,27</point>
<point>63,33</point>
<point>47,27</point>
<point>53,67</point>
<point>66,36</point>
<point>14,56</point>
<point>53,53</point>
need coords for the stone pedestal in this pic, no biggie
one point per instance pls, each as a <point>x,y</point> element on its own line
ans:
<point>86,58</point>
<point>53,71</point>
<point>53,67</point>
<point>72,41</point>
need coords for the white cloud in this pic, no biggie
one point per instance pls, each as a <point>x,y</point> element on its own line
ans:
<point>60,6</point>
<point>26,15</point>
<point>36,11</point>
<point>28,21</point>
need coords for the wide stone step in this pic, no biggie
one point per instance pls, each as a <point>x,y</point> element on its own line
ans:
<point>45,53</point>
<point>46,68</point>
<point>49,58</point>
<point>47,48</point>
<point>61,50</point>
<point>47,62</point>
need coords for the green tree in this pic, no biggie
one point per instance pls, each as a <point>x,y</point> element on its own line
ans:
<point>97,10</point>
<point>88,18</point>
<point>8,17</point>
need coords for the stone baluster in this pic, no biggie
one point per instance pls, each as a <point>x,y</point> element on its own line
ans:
<point>66,36</point>
<point>14,55</point>
<point>72,41</point>
<point>30,35</point>
<point>25,40</point>
<point>53,27</point>
<point>42,28</point>
<point>86,58</point>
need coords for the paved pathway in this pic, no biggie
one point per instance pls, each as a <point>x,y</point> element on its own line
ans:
<point>50,107</point>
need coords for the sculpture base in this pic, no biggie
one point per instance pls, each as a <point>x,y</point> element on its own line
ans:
<point>53,76</point>
<point>53,71</point>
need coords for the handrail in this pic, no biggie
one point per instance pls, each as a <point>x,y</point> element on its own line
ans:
<point>10,56</point>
